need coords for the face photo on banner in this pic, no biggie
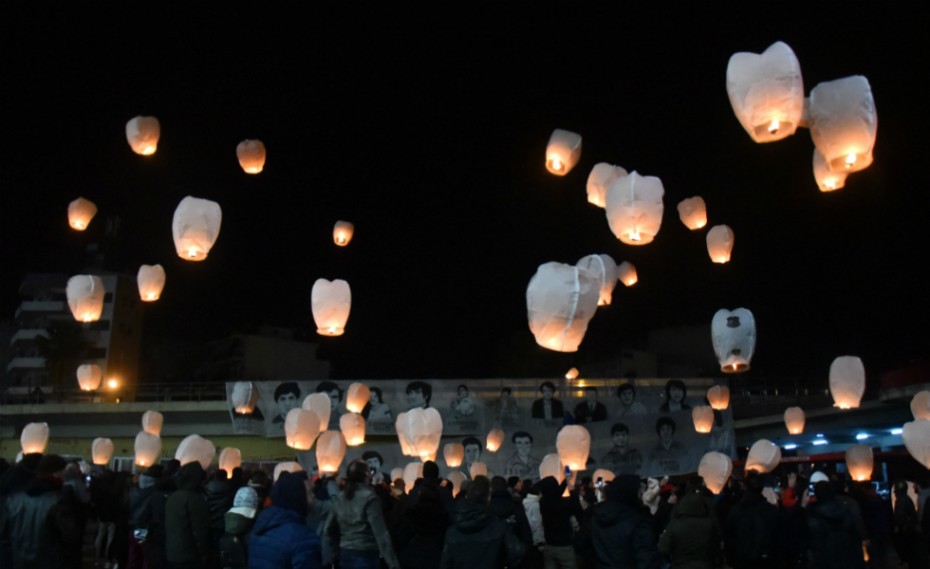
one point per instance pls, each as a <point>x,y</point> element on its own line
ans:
<point>379,419</point>
<point>675,397</point>
<point>590,410</point>
<point>522,462</point>
<point>547,407</point>
<point>507,410</point>
<point>335,401</point>
<point>627,403</point>
<point>419,395</point>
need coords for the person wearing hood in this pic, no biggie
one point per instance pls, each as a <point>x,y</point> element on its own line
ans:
<point>557,513</point>
<point>238,522</point>
<point>752,528</point>
<point>219,494</point>
<point>187,522</point>
<point>477,538</point>
<point>621,532</point>
<point>836,530</point>
<point>281,537</point>
<point>140,516</point>
<point>691,539</point>
<point>164,487</point>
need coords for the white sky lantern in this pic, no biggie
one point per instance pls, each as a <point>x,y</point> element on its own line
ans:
<point>195,448</point>
<point>766,92</point>
<point>397,473</point>
<point>843,122</point>
<point>357,396</point>
<point>331,302</point>
<point>847,381</point>
<point>321,405</point>
<point>142,133</point>
<point>627,273</point>
<point>244,396</point>
<point>147,448</point>
<point>456,478</point>
<point>560,301</point>
<point>563,151</point>
<point>195,227</point>
<point>412,471</point>
<point>859,462</point>
<point>693,212</point>
<point>151,281</point>
<point>407,447</point>
<point>101,451</point>
<point>572,374</point>
<point>916,437</point>
<point>573,444</point>
<point>604,268</point>
<point>426,431</point>
<point>34,438</point>
<point>495,440</point>
<point>330,450</point>
<point>715,468</point>
<point>734,337</point>
<point>720,243</point>
<point>89,377</point>
<point>764,456</point>
<point>794,420</point>
<point>352,426</point>
<point>301,428</point>
<point>80,212</point>
<point>920,405</point>
<point>85,297</point>
<point>251,154</point>
<point>152,422</point>
<point>454,454</point>
<point>478,468</point>
<point>827,180</point>
<point>604,474</point>
<point>602,176</point>
<point>719,397</point>
<point>634,208</point>
<point>289,466</point>
<point>230,459</point>
<point>551,465</point>
<point>343,232</point>
<point>703,418</point>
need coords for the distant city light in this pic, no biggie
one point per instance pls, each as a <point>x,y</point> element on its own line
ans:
<point>819,442</point>
<point>819,435</point>
<point>790,446</point>
<point>862,436</point>
<point>896,431</point>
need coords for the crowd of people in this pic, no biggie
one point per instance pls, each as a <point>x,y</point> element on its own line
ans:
<point>179,517</point>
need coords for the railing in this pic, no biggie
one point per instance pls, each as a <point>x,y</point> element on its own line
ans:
<point>143,393</point>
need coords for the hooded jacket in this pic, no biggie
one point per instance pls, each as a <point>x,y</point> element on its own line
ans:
<point>187,520</point>
<point>140,497</point>
<point>556,512</point>
<point>622,534</point>
<point>280,538</point>
<point>478,539</point>
<point>691,539</point>
<point>835,532</point>
<point>37,525</point>
<point>359,523</point>
<point>752,531</point>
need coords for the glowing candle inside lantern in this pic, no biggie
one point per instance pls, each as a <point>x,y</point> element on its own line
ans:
<point>850,159</point>
<point>773,127</point>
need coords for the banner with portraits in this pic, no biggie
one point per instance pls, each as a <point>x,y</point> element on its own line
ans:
<point>641,427</point>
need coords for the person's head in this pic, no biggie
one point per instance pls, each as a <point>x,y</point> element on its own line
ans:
<point>374,459</point>
<point>376,397</point>
<point>419,394</point>
<point>665,428</point>
<point>287,396</point>
<point>472,449</point>
<point>499,484</point>
<point>547,389</point>
<point>51,465</point>
<point>523,441</point>
<point>479,490</point>
<point>358,474</point>
<point>463,390</point>
<point>430,470</point>
<point>620,435</point>
<point>590,394</point>
<point>626,393</point>
<point>292,492</point>
<point>246,502</point>
<point>331,389</point>
<point>506,392</point>
<point>675,391</point>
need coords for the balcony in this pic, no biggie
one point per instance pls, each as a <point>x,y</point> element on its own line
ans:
<point>28,335</point>
<point>40,306</point>
<point>26,363</point>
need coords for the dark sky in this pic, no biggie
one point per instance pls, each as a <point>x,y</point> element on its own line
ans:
<point>427,130</point>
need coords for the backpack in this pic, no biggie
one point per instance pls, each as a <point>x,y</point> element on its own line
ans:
<point>232,552</point>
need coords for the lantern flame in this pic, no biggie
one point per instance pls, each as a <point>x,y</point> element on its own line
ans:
<point>850,159</point>
<point>555,164</point>
<point>774,126</point>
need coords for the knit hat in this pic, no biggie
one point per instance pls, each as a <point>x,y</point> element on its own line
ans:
<point>290,493</point>
<point>245,503</point>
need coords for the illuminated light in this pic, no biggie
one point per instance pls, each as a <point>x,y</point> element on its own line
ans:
<point>627,273</point>
<point>563,151</point>
<point>251,155</point>
<point>635,236</point>
<point>195,227</point>
<point>820,442</point>
<point>720,241</point>
<point>693,212</point>
<point>85,295</point>
<point>600,178</point>
<point>850,160</point>
<point>80,212</point>
<point>143,133</point>
<point>862,436</point>
<point>773,127</point>
<point>843,123</point>
<point>847,381</point>
<point>762,86</point>
<point>560,301</point>
<point>733,333</point>
<point>151,281</point>
<point>634,207</point>
<point>604,269</point>
<point>555,164</point>
<point>896,431</point>
<point>790,446</point>
<point>112,383</point>
<point>572,374</point>
<point>331,302</point>
<point>342,232</point>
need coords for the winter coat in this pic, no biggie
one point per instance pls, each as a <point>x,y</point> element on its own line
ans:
<point>556,512</point>
<point>280,539</point>
<point>234,545</point>
<point>420,533</point>
<point>187,520</point>
<point>836,533</point>
<point>359,525</point>
<point>140,502</point>
<point>37,524</point>
<point>531,507</point>
<point>691,539</point>
<point>478,539</point>
<point>219,497</point>
<point>752,532</point>
<point>622,536</point>
<point>510,510</point>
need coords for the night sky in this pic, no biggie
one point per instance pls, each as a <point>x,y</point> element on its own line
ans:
<point>428,131</point>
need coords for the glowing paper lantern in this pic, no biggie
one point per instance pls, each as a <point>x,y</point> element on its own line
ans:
<point>478,468</point>
<point>573,444</point>
<point>80,212</point>
<point>282,467</point>
<point>703,418</point>
<point>572,374</point>
<point>230,459</point>
<point>843,122</point>
<point>244,396</point>
<point>560,300</point>
<point>794,420</point>
<point>734,337</point>
<point>407,448</point>
<point>920,405</point>
<point>152,422</point>
<point>563,151</point>
<point>357,396</point>
<point>600,178</point>
<point>301,428</point>
<point>321,405</point>
<point>627,273</point>
<point>767,92</point>
<point>342,233</point>
<point>916,436</point>
<point>693,212</point>
<point>827,180</point>
<point>454,454</point>
<point>764,456</point>
<point>89,377</point>
<point>151,281</point>
<point>34,438</point>
<point>720,243</point>
<point>603,474</point>
<point>412,471</point>
<point>859,462</point>
<point>495,440</point>
<point>142,134</point>
<point>456,478</point>
<point>634,208</point>
<point>330,302</point>
<point>715,468</point>
<point>147,449</point>
<point>604,270</point>
<point>330,450</point>
<point>551,465</point>
<point>85,297</point>
<point>422,429</point>
<point>195,448</point>
<point>397,473</point>
<point>101,451</point>
<point>251,154</point>
<point>719,397</point>
<point>195,227</point>
<point>847,381</point>
<point>352,426</point>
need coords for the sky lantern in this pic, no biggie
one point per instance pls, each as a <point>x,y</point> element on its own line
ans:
<point>563,151</point>
<point>478,468</point>
<point>454,454</point>
<point>634,208</point>
<point>321,404</point>
<point>343,232</point>
<point>301,428</point>
<point>152,422</point>
<point>101,451</point>
<point>352,426</point>
<point>407,447</point>
<point>456,478</point>
<point>920,405</point>
<point>244,396</point>
<point>827,180</point>
<point>560,300</point>
<point>719,397</point>
<point>916,437</point>
<point>551,465</point>
<point>80,212</point>
<point>288,466</point>
<point>251,154</point>
<point>573,444</point>
<point>843,122</point>
<point>693,212</point>
<point>330,450</point>
<point>147,448</point>
<point>142,133</point>
<point>89,377</point>
<point>847,381</point>
<point>720,243</point>
<point>734,337</point>
<point>715,468</point>
<point>495,440</point>
<point>794,420</point>
<point>859,462</point>
<point>703,418</point>
<point>627,273</point>
<point>604,270</point>
<point>85,297</point>
<point>331,302</point>
<point>397,473</point>
<point>230,459</point>
<point>412,471</point>
<point>572,374</point>
<point>766,92</point>
<point>195,227</point>
<point>357,396</point>
<point>34,438</point>
<point>420,429</point>
<point>604,475</point>
<point>764,456</point>
<point>151,281</point>
<point>195,448</point>
<point>600,178</point>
